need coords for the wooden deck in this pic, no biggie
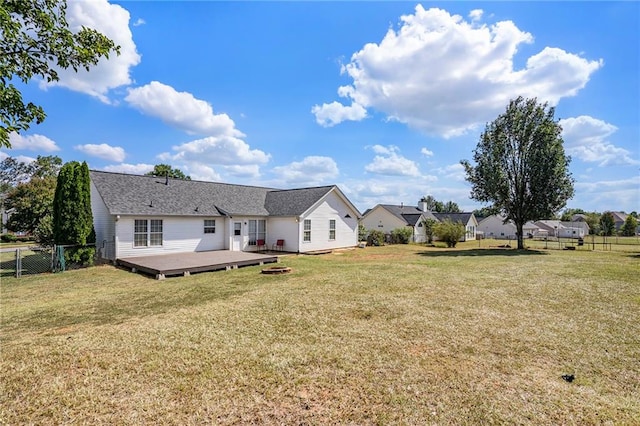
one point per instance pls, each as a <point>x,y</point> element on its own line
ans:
<point>185,264</point>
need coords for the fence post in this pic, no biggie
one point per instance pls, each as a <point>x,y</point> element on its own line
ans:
<point>18,263</point>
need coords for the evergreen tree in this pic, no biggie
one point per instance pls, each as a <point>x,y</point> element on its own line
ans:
<point>630,226</point>
<point>72,217</point>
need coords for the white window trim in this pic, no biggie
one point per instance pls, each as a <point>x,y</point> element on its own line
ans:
<point>148,233</point>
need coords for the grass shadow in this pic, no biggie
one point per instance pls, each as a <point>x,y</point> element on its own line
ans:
<point>481,252</point>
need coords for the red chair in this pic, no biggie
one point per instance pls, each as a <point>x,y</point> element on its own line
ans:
<point>261,243</point>
<point>279,245</point>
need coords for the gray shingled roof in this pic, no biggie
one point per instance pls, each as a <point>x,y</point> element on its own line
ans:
<point>294,202</point>
<point>409,214</point>
<point>149,195</point>
<point>454,217</point>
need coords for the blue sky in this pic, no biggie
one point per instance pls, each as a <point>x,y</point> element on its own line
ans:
<point>381,98</point>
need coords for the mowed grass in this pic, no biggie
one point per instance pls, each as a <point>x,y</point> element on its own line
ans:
<point>382,335</point>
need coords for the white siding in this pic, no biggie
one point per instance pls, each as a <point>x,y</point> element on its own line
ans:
<point>380,219</point>
<point>332,207</point>
<point>180,234</point>
<point>283,228</point>
<point>104,225</point>
<point>493,227</point>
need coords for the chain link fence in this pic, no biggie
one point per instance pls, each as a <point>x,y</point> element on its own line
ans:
<point>38,260</point>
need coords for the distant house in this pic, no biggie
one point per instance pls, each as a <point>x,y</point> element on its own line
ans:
<point>387,217</point>
<point>559,229</point>
<point>495,227</point>
<point>618,219</point>
<point>145,215</point>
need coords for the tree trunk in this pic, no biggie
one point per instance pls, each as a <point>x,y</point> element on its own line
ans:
<point>519,235</point>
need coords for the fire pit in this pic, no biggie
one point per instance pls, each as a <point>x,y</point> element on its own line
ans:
<point>277,270</point>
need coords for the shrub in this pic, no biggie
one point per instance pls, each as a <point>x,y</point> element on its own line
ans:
<point>375,238</point>
<point>449,232</point>
<point>8,238</point>
<point>401,235</point>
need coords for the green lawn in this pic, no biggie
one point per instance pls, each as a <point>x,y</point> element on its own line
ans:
<point>382,335</point>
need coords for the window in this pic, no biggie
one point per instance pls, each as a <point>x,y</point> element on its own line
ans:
<point>140,233</point>
<point>237,228</point>
<point>332,229</point>
<point>257,231</point>
<point>155,236</point>
<point>209,226</point>
<point>147,232</point>
<point>307,230</point>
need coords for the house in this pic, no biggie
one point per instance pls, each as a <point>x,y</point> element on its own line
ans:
<point>387,217</point>
<point>467,219</point>
<point>559,229</point>
<point>618,219</point>
<point>146,215</point>
<point>494,226</point>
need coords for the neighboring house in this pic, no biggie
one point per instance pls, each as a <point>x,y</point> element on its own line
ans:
<point>558,229</point>
<point>618,219</point>
<point>146,215</point>
<point>387,217</point>
<point>467,219</point>
<point>6,214</point>
<point>495,227</point>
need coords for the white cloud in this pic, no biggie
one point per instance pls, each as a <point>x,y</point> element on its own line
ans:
<point>202,172</point>
<point>112,21</point>
<point>586,139</point>
<point>243,171</point>
<point>181,110</point>
<point>454,172</point>
<point>312,170</point>
<point>476,14</point>
<point>104,151</point>
<point>219,150</point>
<point>328,115</point>
<point>619,195</point>
<point>426,152</point>
<point>32,142</point>
<point>139,22</point>
<point>447,76</point>
<point>390,163</point>
<point>135,169</point>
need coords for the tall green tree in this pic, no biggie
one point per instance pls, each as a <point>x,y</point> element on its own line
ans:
<point>72,217</point>
<point>32,201</point>
<point>36,40</point>
<point>607,224</point>
<point>520,164</point>
<point>630,226</point>
<point>165,170</point>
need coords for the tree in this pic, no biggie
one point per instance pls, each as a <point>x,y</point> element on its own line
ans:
<point>30,189</point>
<point>449,232</point>
<point>607,224</point>
<point>72,217</point>
<point>521,167</point>
<point>13,172</point>
<point>630,226</point>
<point>483,212</point>
<point>568,214</point>
<point>429,225</point>
<point>165,170</point>
<point>32,201</point>
<point>450,207</point>
<point>36,41</point>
